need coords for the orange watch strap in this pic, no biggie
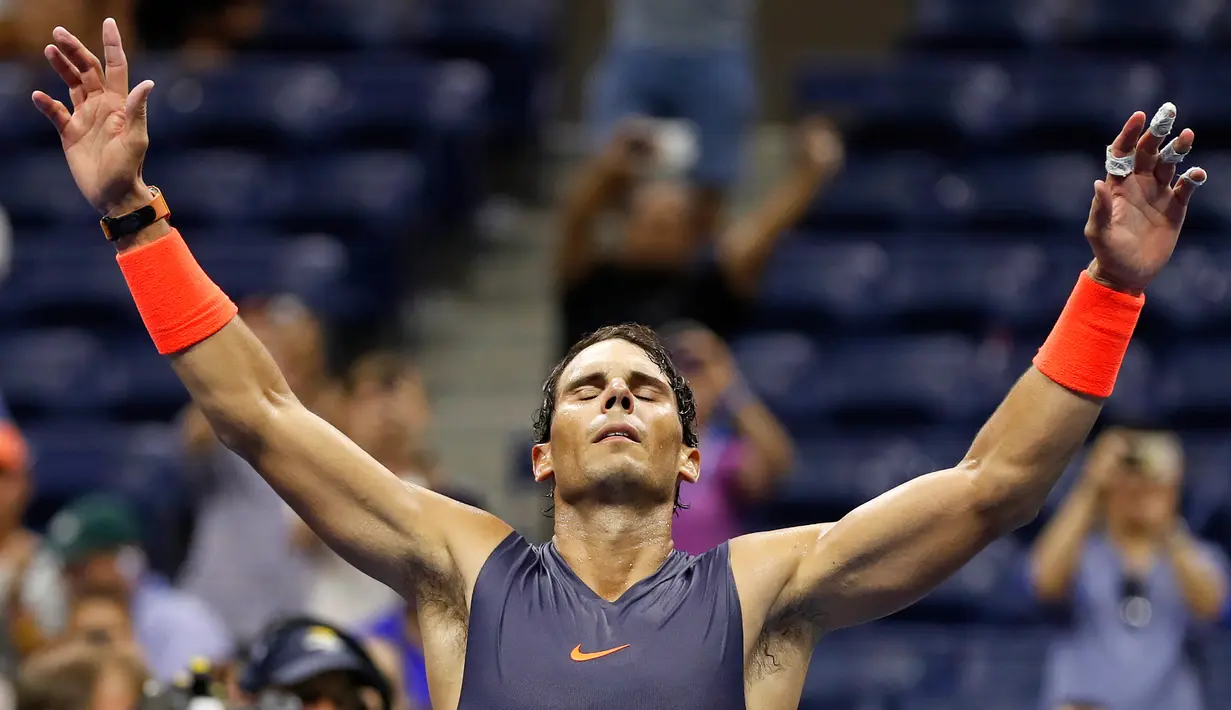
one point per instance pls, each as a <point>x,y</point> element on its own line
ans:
<point>158,204</point>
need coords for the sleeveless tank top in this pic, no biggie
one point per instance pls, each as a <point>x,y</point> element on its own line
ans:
<point>540,639</point>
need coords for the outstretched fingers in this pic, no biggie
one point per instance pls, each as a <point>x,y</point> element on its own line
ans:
<point>1188,183</point>
<point>1121,153</point>
<point>1172,155</point>
<point>90,69</point>
<point>116,76</point>
<point>67,73</point>
<point>53,110</point>
<point>1150,141</point>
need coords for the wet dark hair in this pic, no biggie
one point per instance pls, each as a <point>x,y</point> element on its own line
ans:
<point>648,341</point>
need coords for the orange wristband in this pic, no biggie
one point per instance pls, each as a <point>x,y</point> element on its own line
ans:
<point>1086,348</point>
<point>178,303</point>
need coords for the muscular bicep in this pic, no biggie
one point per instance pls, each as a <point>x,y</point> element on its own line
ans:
<point>391,530</point>
<point>890,552</point>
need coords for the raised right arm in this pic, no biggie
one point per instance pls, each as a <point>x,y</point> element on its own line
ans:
<point>391,530</point>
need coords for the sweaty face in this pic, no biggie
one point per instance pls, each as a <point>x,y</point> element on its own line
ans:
<point>616,434</point>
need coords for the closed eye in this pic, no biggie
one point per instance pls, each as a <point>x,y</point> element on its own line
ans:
<point>585,393</point>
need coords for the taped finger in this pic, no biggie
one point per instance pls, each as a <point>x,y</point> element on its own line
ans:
<point>1170,155</point>
<point>1188,176</point>
<point>1119,166</point>
<point>1163,121</point>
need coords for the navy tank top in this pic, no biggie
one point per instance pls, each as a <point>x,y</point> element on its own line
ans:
<point>540,639</point>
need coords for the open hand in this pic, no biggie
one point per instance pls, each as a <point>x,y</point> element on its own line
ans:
<point>1135,219</point>
<point>104,137</point>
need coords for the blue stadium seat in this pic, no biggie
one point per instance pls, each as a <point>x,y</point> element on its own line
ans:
<point>359,191</point>
<point>220,187</point>
<point>1212,211</point>
<point>335,24</point>
<point>1196,380</point>
<point>62,370</point>
<point>973,24</point>
<point>901,190</point>
<point>73,457</point>
<point>70,277</point>
<point>1194,292</point>
<point>150,389</point>
<point>20,123</point>
<point>1031,192</point>
<point>1068,91</point>
<point>38,189</point>
<point>974,99</point>
<point>850,468</point>
<point>933,377</point>
<point>841,280</point>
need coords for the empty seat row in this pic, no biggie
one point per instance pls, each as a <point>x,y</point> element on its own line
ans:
<point>949,377</point>
<point>996,99</point>
<point>1109,23</point>
<point>915,190</point>
<point>70,276</point>
<point>368,190</point>
<point>819,282</point>
<point>848,468</point>
<point>404,100</point>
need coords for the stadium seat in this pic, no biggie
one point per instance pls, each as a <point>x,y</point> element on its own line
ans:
<point>359,193</point>
<point>1037,192</point>
<point>65,279</point>
<point>220,187</point>
<point>62,371</point>
<point>1196,381</point>
<point>1078,93</point>
<point>38,190</point>
<point>888,192</point>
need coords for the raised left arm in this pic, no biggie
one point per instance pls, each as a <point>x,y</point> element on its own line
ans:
<point>893,550</point>
<point>1202,579</point>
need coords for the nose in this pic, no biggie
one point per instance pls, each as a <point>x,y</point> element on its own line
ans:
<point>618,396</point>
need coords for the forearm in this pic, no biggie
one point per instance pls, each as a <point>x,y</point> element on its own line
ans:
<point>1058,550</point>
<point>745,249</point>
<point>768,440</point>
<point>1024,447</point>
<point>594,189</point>
<point>1201,581</point>
<point>1030,439</point>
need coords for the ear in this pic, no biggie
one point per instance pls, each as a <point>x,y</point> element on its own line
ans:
<point>690,464</point>
<point>540,461</point>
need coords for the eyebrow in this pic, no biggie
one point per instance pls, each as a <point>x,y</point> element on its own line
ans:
<point>636,378</point>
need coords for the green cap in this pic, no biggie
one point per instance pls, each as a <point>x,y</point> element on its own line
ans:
<point>92,524</point>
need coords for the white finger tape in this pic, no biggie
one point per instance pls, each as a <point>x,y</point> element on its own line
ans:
<point>1163,121</point>
<point>1169,154</point>
<point>1188,175</point>
<point>1120,167</point>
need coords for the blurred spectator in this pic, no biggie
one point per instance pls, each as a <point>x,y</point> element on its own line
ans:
<point>31,590</point>
<point>1137,584</point>
<point>102,615</point>
<point>321,665</point>
<point>690,60</point>
<point>655,275</point>
<point>387,415</point>
<point>746,447</point>
<point>204,31</point>
<point>389,662</point>
<point>80,676</point>
<point>396,633</point>
<point>24,24</point>
<point>240,559</point>
<point>98,539</point>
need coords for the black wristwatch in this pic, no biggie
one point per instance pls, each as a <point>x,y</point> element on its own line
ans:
<point>129,224</point>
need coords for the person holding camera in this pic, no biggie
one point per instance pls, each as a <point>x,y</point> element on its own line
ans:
<point>1136,581</point>
<point>663,267</point>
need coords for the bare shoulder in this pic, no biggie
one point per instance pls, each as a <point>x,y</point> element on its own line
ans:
<point>763,565</point>
<point>469,536</point>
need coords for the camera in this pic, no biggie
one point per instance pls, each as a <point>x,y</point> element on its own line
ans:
<point>199,690</point>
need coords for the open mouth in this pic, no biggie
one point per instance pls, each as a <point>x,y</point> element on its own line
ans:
<point>616,432</point>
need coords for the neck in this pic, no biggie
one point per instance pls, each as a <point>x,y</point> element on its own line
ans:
<point>612,548</point>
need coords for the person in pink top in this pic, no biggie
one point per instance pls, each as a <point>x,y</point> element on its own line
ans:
<point>746,447</point>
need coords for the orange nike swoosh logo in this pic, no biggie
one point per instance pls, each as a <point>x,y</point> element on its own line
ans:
<point>579,656</point>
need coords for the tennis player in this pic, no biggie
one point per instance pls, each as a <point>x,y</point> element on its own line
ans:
<point>608,615</point>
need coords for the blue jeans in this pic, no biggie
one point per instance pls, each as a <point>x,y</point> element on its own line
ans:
<point>714,89</point>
